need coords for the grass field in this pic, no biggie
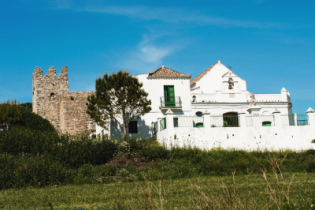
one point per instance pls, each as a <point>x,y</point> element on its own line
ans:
<point>294,191</point>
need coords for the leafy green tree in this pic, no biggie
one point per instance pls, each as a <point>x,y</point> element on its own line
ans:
<point>120,97</point>
<point>10,112</point>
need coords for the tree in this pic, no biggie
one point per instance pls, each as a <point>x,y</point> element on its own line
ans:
<point>118,97</point>
<point>10,112</point>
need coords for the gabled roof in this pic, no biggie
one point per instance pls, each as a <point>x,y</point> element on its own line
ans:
<point>167,73</point>
<point>197,78</point>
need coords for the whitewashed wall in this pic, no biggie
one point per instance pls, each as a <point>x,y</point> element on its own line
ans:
<point>252,138</point>
<point>213,94</point>
<point>155,88</point>
<point>277,137</point>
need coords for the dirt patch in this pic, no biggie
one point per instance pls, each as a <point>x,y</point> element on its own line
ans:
<point>124,158</point>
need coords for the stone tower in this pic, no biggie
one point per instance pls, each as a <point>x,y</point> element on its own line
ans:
<point>52,100</point>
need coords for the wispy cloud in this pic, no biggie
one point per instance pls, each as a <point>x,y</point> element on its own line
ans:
<point>174,15</point>
<point>149,54</point>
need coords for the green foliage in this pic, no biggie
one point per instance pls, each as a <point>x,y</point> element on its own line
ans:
<point>26,107</point>
<point>32,171</point>
<point>10,112</point>
<point>118,96</point>
<point>69,150</point>
<point>35,122</point>
<point>16,114</point>
<point>81,160</point>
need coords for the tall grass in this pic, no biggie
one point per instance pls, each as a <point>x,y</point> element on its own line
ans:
<point>229,192</point>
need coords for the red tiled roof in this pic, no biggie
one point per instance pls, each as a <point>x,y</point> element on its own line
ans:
<point>166,72</point>
<point>197,78</point>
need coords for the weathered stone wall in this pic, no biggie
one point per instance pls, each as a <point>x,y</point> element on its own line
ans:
<point>52,100</point>
<point>74,114</point>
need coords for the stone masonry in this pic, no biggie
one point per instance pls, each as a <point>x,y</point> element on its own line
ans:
<point>52,100</point>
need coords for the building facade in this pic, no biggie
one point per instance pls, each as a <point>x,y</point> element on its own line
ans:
<point>217,91</point>
<point>211,109</point>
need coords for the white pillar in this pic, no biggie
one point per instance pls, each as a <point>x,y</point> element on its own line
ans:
<point>277,118</point>
<point>311,116</point>
<point>242,119</point>
<point>295,119</point>
<point>206,119</point>
<point>170,123</point>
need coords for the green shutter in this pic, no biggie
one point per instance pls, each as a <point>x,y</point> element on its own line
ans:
<point>169,95</point>
<point>199,125</point>
<point>268,123</point>
<point>175,122</point>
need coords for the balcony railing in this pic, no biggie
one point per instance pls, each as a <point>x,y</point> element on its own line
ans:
<point>169,102</point>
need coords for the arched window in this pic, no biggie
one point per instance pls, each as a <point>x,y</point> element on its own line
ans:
<point>199,114</point>
<point>266,113</point>
<point>230,119</point>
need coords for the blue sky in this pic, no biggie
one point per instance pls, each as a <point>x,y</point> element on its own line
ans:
<point>269,43</point>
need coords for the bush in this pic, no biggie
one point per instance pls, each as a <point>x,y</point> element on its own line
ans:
<point>10,113</point>
<point>32,171</point>
<point>69,150</point>
<point>35,122</point>
<point>154,153</point>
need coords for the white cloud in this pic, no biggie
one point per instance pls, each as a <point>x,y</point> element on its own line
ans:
<point>149,54</point>
<point>167,15</point>
<point>153,54</point>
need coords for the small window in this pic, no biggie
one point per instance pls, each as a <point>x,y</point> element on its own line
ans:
<point>199,114</point>
<point>133,127</point>
<point>199,125</point>
<point>267,123</point>
<point>175,122</point>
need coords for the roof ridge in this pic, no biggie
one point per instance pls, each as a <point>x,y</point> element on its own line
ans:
<point>197,78</point>
<point>167,72</point>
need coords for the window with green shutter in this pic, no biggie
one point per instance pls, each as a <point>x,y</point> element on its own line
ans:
<point>169,95</point>
<point>175,122</point>
<point>267,123</point>
<point>133,127</point>
<point>199,125</point>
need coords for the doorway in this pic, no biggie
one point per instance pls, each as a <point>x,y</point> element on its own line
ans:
<point>230,119</point>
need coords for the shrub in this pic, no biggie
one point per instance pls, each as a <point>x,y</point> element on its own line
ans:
<point>154,153</point>
<point>35,122</point>
<point>32,171</point>
<point>69,150</point>
<point>10,112</point>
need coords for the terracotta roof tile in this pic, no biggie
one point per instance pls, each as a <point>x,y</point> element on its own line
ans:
<point>195,88</point>
<point>197,78</point>
<point>166,72</point>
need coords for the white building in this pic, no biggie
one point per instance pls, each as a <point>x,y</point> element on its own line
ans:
<point>213,104</point>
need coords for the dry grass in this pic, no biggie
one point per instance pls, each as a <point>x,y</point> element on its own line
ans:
<point>235,192</point>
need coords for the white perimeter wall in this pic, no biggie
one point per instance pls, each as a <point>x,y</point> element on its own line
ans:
<point>270,138</point>
<point>279,137</point>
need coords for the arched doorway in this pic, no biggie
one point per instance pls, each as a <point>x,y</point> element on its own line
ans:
<point>230,119</point>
